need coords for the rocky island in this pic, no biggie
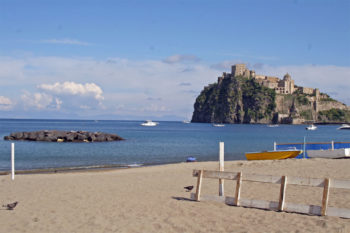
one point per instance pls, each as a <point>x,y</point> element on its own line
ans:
<point>63,136</point>
<point>244,97</point>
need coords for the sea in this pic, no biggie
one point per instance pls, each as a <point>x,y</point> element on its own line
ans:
<point>168,142</point>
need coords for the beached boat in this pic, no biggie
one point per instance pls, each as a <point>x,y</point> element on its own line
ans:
<point>329,154</point>
<point>311,127</point>
<point>344,126</point>
<point>272,155</point>
<point>149,123</point>
<point>218,125</point>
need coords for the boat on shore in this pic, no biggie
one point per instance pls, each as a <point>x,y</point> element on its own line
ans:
<point>344,126</point>
<point>149,123</point>
<point>272,155</point>
<point>311,127</point>
<point>329,154</point>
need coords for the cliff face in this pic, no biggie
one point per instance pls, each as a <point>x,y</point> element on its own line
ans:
<point>318,108</point>
<point>242,100</point>
<point>235,100</point>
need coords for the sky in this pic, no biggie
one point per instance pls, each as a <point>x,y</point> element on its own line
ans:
<point>138,60</point>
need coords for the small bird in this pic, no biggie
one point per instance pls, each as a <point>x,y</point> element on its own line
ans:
<point>11,206</point>
<point>188,188</point>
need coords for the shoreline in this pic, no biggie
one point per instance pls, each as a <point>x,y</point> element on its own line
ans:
<point>116,167</point>
<point>92,168</point>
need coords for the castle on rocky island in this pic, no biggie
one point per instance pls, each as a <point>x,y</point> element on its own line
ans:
<point>281,86</point>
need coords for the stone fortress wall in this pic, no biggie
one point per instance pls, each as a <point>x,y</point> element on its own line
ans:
<point>281,86</point>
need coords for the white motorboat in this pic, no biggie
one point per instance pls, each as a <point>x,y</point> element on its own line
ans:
<point>329,154</point>
<point>273,126</point>
<point>149,123</point>
<point>218,125</point>
<point>344,126</point>
<point>311,127</point>
<point>186,122</point>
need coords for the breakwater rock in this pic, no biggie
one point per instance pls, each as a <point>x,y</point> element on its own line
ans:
<point>63,136</point>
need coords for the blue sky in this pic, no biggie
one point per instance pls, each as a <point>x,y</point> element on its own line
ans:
<point>141,59</point>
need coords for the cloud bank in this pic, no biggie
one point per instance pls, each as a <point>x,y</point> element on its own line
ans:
<point>181,58</point>
<point>5,103</point>
<point>118,88</point>
<point>65,41</point>
<point>72,88</point>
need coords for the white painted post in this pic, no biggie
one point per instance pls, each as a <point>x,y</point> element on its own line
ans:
<point>221,168</point>
<point>13,161</point>
<point>332,145</point>
<point>274,146</point>
<point>304,147</point>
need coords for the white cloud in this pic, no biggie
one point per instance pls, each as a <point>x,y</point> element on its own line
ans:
<point>39,101</point>
<point>5,103</point>
<point>65,41</point>
<point>58,103</point>
<point>79,86</point>
<point>72,88</point>
<point>177,58</point>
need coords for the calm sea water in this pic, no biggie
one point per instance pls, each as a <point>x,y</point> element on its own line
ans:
<point>169,142</point>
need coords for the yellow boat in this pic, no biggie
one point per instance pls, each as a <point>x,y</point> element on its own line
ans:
<point>272,155</point>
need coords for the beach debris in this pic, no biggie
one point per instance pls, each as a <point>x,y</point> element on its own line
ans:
<point>11,206</point>
<point>188,188</point>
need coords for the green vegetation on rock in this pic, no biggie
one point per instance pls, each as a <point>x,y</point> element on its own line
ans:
<point>235,100</point>
<point>302,99</point>
<point>307,115</point>
<point>334,115</point>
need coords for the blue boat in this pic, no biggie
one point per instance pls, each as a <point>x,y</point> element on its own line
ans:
<point>191,159</point>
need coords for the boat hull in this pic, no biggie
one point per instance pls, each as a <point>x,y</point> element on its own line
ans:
<point>272,155</point>
<point>329,154</point>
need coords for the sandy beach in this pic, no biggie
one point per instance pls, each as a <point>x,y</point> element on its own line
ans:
<point>152,199</point>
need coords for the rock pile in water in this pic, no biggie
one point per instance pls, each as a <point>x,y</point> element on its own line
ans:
<point>63,136</point>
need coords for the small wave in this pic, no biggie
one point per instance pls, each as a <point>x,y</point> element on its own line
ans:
<point>135,165</point>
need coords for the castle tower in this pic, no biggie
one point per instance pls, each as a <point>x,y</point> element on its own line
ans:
<point>288,84</point>
<point>287,77</point>
<point>239,70</point>
<point>252,73</point>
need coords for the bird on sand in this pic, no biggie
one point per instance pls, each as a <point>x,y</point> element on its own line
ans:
<point>188,188</point>
<point>11,206</point>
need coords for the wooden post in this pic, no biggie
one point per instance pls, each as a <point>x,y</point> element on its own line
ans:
<point>238,188</point>
<point>282,193</point>
<point>12,161</point>
<point>221,168</point>
<point>325,197</point>
<point>199,185</point>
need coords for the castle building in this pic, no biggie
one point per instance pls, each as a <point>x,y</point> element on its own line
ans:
<point>281,86</point>
<point>240,70</point>
<point>286,85</point>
